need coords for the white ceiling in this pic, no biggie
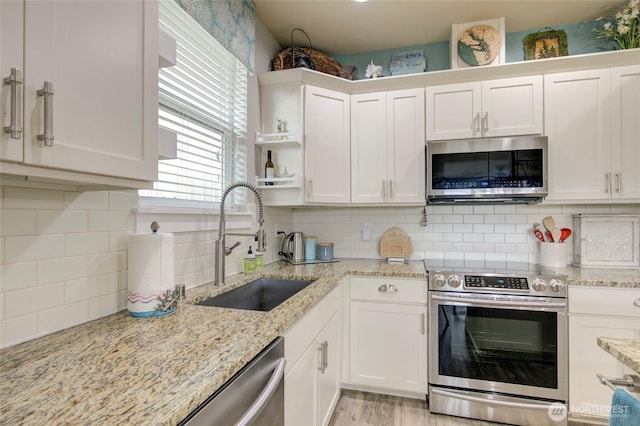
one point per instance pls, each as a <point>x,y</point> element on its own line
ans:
<point>340,27</point>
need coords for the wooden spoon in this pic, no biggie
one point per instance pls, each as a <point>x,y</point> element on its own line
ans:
<point>549,223</point>
<point>556,234</point>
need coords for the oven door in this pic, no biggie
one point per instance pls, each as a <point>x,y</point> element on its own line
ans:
<point>513,345</point>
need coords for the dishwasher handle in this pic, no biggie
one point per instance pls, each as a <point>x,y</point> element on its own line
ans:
<point>264,397</point>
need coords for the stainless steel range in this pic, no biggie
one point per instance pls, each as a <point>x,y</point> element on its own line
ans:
<point>498,343</point>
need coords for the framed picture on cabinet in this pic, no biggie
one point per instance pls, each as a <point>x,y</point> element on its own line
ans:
<point>547,43</point>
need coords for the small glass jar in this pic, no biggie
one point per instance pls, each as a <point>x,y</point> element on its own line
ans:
<point>325,251</point>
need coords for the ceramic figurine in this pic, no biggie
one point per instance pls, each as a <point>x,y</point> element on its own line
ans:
<point>373,71</point>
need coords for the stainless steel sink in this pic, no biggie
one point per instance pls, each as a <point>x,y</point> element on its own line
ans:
<point>263,294</point>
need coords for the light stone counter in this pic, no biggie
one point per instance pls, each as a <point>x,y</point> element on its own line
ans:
<point>125,370</point>
<point>626,351</point>
<point>601,277</point>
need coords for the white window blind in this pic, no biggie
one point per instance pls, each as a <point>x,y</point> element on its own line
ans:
<point>203,98</point>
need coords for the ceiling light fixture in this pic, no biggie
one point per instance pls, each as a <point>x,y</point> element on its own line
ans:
<point>359,1</point>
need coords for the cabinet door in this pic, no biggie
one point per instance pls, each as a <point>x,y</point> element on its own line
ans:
<point>11,48</point>
<point>405,146</point>
<point>453,111</point>
<point>512,106</point>
<point>327,150</point>
<point>101,57</point>
<point>625,132</point>
<point>389,346</point>
<point>587,396</point>
<point>300,390</point>
<point>368,148</point>
<point>328,390</point>
<point>578,124</point>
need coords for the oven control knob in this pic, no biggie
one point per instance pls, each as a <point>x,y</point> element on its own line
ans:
<point>453,281</point>
<point>557,286</point>
<point>438,280</point>
<point>539,284</point>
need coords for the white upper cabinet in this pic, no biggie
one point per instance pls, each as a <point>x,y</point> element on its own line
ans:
<point>625,132</point>
<point>327,146</point>
<point>591,119</point>
<point>490,108</point>
<point>97,117</point>
<point>387,147</point>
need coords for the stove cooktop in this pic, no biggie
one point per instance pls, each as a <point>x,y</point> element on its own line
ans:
<point>495,277</point>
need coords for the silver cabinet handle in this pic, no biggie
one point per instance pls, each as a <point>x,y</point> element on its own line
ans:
<point>607,182</point>
<point>265,396</point>
<point>485,122</point>
<point>324,358</point>
<point>618,181</point>
<point>636,302</point>
<point>390,189</point>
<point>388,288</point>
<point>310,188</point>
<point>47,92</point>
<point>384,189</point>
<point>476,122</point>
<point>15,125</point>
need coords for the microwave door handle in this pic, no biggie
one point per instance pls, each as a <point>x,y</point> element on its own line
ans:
<point>496,301</point>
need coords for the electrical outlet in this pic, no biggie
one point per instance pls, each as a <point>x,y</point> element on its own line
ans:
<point>366,232</point>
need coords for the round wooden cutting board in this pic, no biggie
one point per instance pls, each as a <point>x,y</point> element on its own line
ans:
<point>395,244</point>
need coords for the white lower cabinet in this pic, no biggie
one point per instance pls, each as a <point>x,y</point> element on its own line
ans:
<point>312,374</point>
<point>597,312</point>
<point>386,335</point>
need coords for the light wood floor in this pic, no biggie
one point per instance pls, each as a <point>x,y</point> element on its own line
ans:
<point>368,409</point>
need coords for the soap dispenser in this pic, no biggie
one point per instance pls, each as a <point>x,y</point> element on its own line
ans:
<point>250,262</point>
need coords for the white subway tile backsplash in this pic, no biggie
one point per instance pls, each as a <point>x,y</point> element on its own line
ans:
<point>109,221</point>
<point>16,330</point>
<point>61,269</point>
<point>14,222</point>
<point>62,317</point>
<point>61,221</point>
<point>31,300</point>
<point>123,200</point>
<point>15,276</point>
<point>23,249</point>
<point>87,243</point>
<point>55,274</point>
<point>98,200</point>
<point>27,198</point>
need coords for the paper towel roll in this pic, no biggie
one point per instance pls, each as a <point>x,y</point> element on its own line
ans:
<point>151,267</point>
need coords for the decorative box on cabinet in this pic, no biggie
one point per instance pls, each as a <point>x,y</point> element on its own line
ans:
<point>606,240</point>
<point>105,106</point>
<point>597,312</point>
<point>591,119</point>
<point>387,147</point>
<point>490,108</point>
<point>381,316</point>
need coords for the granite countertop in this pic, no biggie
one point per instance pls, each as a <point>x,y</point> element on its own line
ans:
<point>601,277</point>
<point>125,370</point>
<point>626,351</point>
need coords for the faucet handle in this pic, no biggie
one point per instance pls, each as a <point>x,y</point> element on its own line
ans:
<point>228,250</point>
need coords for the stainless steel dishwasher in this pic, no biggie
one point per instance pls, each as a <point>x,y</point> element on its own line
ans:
<point>254,396</point>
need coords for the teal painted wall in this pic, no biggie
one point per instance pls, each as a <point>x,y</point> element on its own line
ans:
<point>580,39</point>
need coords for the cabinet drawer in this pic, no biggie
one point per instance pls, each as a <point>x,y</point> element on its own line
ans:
<point>389,289</point>
<point>604,301</point>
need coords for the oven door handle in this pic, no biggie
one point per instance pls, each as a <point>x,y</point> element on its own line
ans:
<point>496,301</point>
<point>509,404</point>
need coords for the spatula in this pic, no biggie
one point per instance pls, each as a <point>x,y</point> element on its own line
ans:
<point>549,223</point>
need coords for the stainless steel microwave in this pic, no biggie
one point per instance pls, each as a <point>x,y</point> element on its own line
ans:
<point>496,170</point>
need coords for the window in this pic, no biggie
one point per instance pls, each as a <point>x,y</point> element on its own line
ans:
<point>203,99</point>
